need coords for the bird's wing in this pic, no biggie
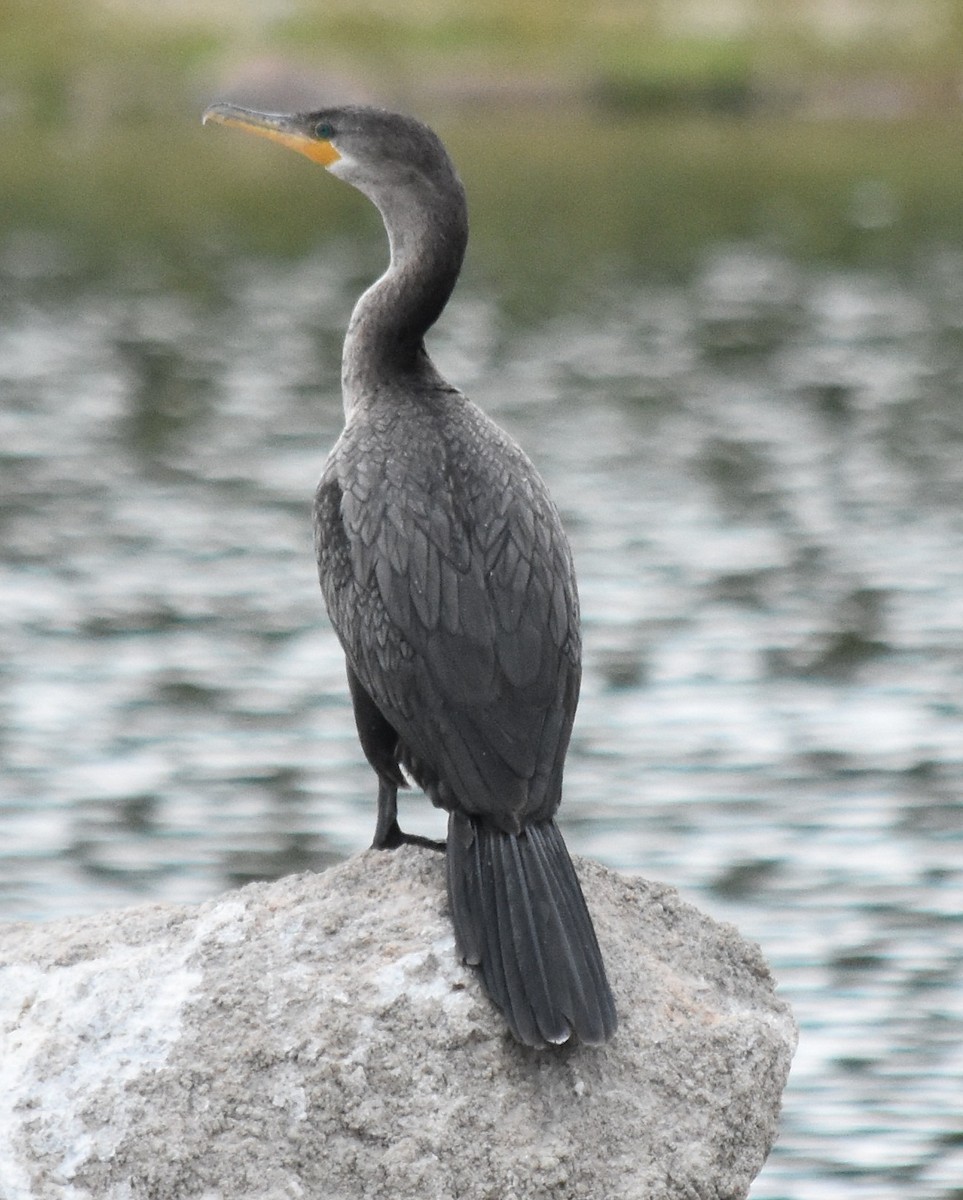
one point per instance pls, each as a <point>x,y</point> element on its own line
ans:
<point>449,581</point>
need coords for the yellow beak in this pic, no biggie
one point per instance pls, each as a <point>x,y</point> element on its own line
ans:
<point>293,131</point>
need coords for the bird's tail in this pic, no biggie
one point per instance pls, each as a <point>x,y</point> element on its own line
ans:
<point>520,917</point>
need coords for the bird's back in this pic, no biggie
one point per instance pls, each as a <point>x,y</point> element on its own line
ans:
<point>449,581</point>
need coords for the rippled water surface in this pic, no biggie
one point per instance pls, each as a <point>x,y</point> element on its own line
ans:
<point>762,473</point>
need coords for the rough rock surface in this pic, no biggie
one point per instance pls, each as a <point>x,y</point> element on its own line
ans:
<point>318,1038</point>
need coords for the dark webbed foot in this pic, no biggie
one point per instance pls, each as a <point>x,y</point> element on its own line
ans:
<point>388,835</point>
<point>394,837</point>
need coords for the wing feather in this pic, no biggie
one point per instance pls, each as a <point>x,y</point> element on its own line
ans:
<point>449,582</point>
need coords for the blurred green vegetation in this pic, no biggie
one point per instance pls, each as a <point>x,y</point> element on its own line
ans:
<point>590,136</point>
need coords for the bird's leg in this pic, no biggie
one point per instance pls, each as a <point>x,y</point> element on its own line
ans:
<point>380,744</point>
<point>388,835</point>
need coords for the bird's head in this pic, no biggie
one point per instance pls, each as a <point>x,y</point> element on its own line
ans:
<point>372,149</point>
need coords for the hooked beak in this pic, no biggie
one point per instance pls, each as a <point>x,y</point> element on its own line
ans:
<point>291,130</point>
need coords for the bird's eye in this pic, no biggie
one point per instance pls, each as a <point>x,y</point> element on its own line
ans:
<point>324,130</point>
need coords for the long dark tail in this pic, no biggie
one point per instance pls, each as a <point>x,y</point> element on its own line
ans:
<point>520,917</point>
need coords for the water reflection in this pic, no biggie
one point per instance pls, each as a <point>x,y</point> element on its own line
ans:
<point>761,471</point>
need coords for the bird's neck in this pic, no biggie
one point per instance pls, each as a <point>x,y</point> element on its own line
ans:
<point>385,340</point>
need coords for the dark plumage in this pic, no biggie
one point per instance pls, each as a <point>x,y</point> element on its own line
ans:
<point>449,581</point>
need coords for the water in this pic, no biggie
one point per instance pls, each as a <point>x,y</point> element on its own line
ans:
<point>761,469</point>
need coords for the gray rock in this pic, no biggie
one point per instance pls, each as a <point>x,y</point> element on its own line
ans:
<point>317,1037</point>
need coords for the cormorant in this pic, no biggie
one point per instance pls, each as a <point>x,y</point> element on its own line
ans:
<point>449,582</point>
